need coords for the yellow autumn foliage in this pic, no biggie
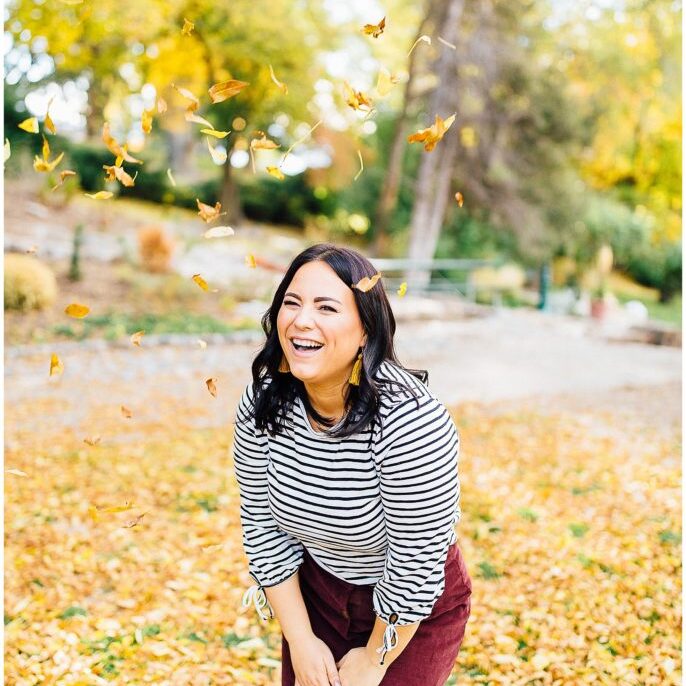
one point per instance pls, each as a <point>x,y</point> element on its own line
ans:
<point>29,283</point>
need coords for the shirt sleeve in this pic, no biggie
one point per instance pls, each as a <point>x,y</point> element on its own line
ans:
<point>273,555</point>
<point>420,493</point>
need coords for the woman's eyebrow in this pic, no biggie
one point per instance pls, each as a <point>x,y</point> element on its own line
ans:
<point>318,299</point>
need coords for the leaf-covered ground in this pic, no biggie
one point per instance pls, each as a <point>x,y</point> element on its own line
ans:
<point>572,538</point>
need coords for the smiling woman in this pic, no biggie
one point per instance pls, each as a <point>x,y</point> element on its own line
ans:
<point>347,466</point>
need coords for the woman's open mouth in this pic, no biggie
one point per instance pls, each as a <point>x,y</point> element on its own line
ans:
<point>304,351</point>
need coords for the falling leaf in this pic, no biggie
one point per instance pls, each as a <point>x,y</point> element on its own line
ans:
<point>263,143</point>
<point>171,178</point>
<point>188,27</point>
<point>146,120</point>
<point>219,232</point>
<point>8,152</point>
<point>300,140</point>
<point>385,82</point>
<point>375,30</point>
<point>202,343</point>
<point>250,261</point>
<point>433,134</point>
<point>276,172</point>
<point>114,147</point>
<point>426,39</point>
<point>356,99</point>
<point>226,89</point>
<point>184,92</point>
<point>211,386</point>
<point>365,284</point>
<point>218,156</point>
<point>196,119</point>
<point>93,440</point>
<point>216,134</point>
<point>16,472</point>
<point>126,412</point>
<point>77,311</point>
<point>117,172</point>
<point>207,212</point>
<point>459,198</point>
<point>403,289</point>
<point>56,366</point>
<point>100,195</point>
<point>282,86</point>
<point>134,522</point>
<point>136,338</point>
<point>30,125</point>
<point>445,42</point>
<point>203,284</point>
<point>44,165</point>
<point>359,154</point>
<point>161,105</point>
<point>48,122</point>
<point>63,175</point>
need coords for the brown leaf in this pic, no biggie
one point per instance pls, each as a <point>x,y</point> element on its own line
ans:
<point>136,338</point>
<point>375,30</point>
<point>134,522</point>
<point>433,134</point>
<point>459,198</point>
<point>211,386</point>
<point>365,284</point>
<point>93,440</point>
<point>207,212</point>
<point>226,89</point>
<point>126,412</point>
<point>356,99</point>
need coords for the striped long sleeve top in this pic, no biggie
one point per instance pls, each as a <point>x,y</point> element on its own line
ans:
<point>382,516</point>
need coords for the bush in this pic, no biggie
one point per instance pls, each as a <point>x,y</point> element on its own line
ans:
<point>659,267</point>
<point>155,247</point>
<point>29,284</point>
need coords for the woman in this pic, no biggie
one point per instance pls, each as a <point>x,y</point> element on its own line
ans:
<point>347,470</point>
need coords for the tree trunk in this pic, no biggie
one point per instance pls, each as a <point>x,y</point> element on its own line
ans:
<point>229,196</point>
<point>436,167</point>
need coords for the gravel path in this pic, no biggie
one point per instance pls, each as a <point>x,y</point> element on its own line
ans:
<point>509,360</point>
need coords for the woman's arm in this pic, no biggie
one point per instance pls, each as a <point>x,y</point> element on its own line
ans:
<point>404,633</point>
<point>287,602</point>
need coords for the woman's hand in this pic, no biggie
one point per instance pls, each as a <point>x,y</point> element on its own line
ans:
<point>356,669</point>
<point>313,663</point>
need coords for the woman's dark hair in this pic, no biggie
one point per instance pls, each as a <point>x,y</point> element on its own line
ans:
<point>274,392</point>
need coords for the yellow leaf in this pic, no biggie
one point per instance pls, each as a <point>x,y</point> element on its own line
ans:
<point>375,30</point>
<point>161,105</point>
<point>218,156</point>
<point>459,198</point>
<point>188,27</point>
<point>114,147</point>
<point>207,212</point>
<point>63,175</point>
<point>202,283</point>
<point>8,152</point>
<point>115,172</point>
<point>211,386</point>
<point>276,173</point>
<point>263,143</point>
<point>126,412</point>
<point>403,289</point>
<point>365,284</point>
<point>136,338</point>
<point>359,154</point>
<point>219,232</point>
<point>146,121</point>
<point>117,508</point>
<point>226,89</point>
<point>56,366</point>
<point>30,125</point>
<point>100,195</point>
<point>43,166</point>
<point>282,86</point>
<point>425,39</point>
<point>16,472</point>
<point>385,82</point>
<point>356,99</point>
<point>77,311</point>
<point>196,119</point>
<point>445,42</point>
<point>216,134</point>
<point>433,134</point>
<point>250,261</point>
<point>184,92</point>
<point>300,140</point>
<point>171,178</point>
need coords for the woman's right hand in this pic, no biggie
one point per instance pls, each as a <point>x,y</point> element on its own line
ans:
<point>313,663</point>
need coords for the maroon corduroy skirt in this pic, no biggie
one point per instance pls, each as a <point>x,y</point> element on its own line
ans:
<point>342,615</point>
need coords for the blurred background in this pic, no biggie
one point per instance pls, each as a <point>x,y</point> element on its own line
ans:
<point>513,170</point>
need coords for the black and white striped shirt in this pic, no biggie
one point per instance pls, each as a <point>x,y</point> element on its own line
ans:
<point>383,516</point>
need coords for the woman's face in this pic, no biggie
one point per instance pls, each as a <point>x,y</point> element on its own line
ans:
<point>319,307</point>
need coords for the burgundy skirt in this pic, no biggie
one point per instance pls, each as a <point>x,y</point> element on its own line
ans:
<point>342,615</point>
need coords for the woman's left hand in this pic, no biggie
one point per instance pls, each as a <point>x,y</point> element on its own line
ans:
<point>356,669</point>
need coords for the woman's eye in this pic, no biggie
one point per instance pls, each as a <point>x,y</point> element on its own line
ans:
<point>328,307</point>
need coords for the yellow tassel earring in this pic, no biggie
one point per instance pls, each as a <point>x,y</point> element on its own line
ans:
<point>284,366</point>
<point>357,371</point>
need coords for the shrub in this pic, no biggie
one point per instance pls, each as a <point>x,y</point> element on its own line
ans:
<point>155,247</point>
<point>29,284</point>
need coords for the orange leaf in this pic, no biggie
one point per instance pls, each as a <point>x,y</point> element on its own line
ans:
<point>263,143</point>
<point>365,284</point>
<point>207,212</point>
<point>356,99</point>
<point>203,284</point>
<point>184,92</point>
<point>226,89</point>
<point>136,338</point>
<point>375,30</point>
<point>77,311</point>
<point>126,412</point>
<point>459,198</point>
<point>433,134</point>
<point>211,386</point>
<point>63,175</point>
